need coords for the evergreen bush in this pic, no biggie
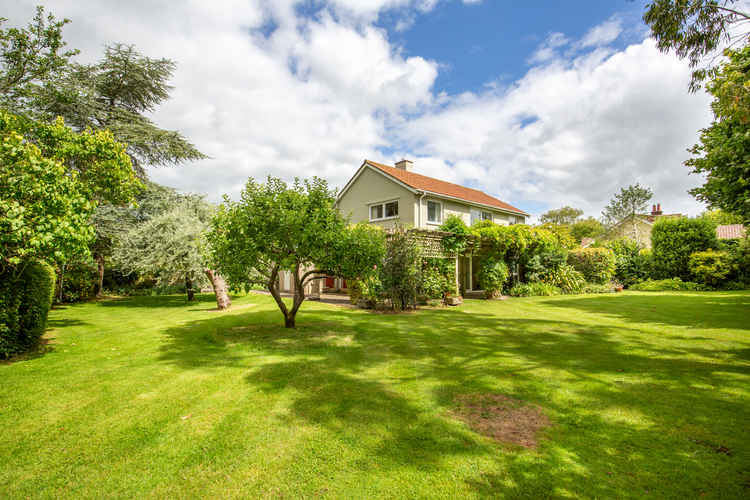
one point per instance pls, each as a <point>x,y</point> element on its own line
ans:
<point>596,264</point>
<point>674,240</point>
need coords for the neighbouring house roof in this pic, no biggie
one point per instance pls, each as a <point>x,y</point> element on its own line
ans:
<point>436,186</point>
<point>730,232</point>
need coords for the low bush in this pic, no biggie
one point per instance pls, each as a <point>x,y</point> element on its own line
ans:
<point>25,301</point>
<point>596,264</point>
<point>538,288</point>
<point>78,282</point>
<point>672,284</point>
<point>710,267</point>
<point>369,290</point>
<point>566,278</point>
<point>597,288</point>
<point>492,276</point>
<point>632,262</point>
<point>741,260</point>
<point>541,264</point>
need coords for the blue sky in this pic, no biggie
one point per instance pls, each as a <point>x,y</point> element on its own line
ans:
<point>492,40</point>
<point>539,103</point>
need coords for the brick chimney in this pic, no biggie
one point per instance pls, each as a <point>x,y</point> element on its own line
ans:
<point>656,209</point>
<point>405,165</point>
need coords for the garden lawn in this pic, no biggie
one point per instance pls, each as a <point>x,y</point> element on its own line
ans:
<point>648,394</point>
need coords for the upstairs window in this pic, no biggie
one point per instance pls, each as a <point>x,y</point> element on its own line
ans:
<point>434,212</point>
<point>478,215</point>
<point>381,211</point>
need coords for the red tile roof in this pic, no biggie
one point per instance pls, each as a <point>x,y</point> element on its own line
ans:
<point>730,232</point>
<point>424,183</point>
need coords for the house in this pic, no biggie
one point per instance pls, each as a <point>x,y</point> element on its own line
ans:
<point>390,195</point>
<point>396,195</point>
<point>638,226</point>
<point>730,232</point>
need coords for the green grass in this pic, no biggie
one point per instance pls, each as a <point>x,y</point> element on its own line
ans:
<point>649,394</point>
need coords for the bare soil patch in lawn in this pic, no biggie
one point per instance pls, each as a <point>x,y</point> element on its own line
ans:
<point>502,418</point>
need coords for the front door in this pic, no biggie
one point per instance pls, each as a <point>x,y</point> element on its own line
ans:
<point>330,282</point>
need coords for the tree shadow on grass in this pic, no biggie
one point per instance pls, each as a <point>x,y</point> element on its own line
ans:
<point>631,416</point>
<point>157,301</point>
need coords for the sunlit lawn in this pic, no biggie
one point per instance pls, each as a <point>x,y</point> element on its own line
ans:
<point>648,394</point>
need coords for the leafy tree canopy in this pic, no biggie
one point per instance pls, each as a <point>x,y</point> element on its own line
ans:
<point>719,217</point>
<point>561,216</point>
<point>275,226</point>
<point>168,246</point>
<point>696,29</point>
<point>586,228</point>
<point>629,201</point>
<point>723,153</point>
<point>29,57</point>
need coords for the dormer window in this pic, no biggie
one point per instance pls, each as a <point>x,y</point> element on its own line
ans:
<point>383,211</point>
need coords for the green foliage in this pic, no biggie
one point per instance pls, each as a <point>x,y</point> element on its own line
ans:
<point>275,226</point>
<point>566,278</point>
<point>741,259</point>
<point>562,235</point>
<point>515,244</point>
<point>29,57</point>
<point>542,263</point>
<point>493,274</point>
<point>457,241</point>
<point>118,93</point>
<point>671,284</point>
<point>674,240</point>
<point>168,246</point>
<point>720,218</point>
<point>561,216</point>
<point>595,288</point>
<point>586,228</point>
<point>400,271</point>
<point>44,210</point>
<point>695,29</point>
<point>710,267</point>
<point>632,263</point>
<point>438,278</point>
<point>26,293</point>
<point>538,288</point>
<point>368,289</point>
<point>78,281</point>
<point>596,264</point>
<point>630,201</point>
<point>723,154</point>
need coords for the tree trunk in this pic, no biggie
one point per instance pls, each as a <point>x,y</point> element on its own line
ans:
<point>289,322</point>
<point>189,289</point>
<point>220,289</point>
<point>100,269</point>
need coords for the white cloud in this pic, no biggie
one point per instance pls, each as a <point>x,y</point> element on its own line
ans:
<point>315,96</point>
<point>602,34</point>
<point>572,131</point>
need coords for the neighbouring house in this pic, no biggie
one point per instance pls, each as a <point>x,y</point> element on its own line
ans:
<point>638,227</point>
<point>730,232</point>
<point>396,195</point>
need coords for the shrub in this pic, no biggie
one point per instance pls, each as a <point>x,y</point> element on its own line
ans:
<point>566,278</point>
<point>534,289</point>
<point>741,259</point>
<point>456,242</point>
<point>25,301</point>
<point>541,264</point>
<point>632,262</point>
<point>400,271</point>
<point>710,267</point>
<point>78,281</point>
<point>674,240</point>
<point>670,284</point>
<point>492,276</point>
<point>434,283</point>
<point>596,264</point>
<point>368,289</point>
<point>594,288</point>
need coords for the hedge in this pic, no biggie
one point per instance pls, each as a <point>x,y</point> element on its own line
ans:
<point>25,301</point>
<point>674,240</point>
<point>596,264</point>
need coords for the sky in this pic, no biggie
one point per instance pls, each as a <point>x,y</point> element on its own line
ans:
<point>542,104</point>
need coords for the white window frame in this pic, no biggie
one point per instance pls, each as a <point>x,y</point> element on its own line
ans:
<point>481,213</point>
<point>383,204</point>
<point>427,215</point>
